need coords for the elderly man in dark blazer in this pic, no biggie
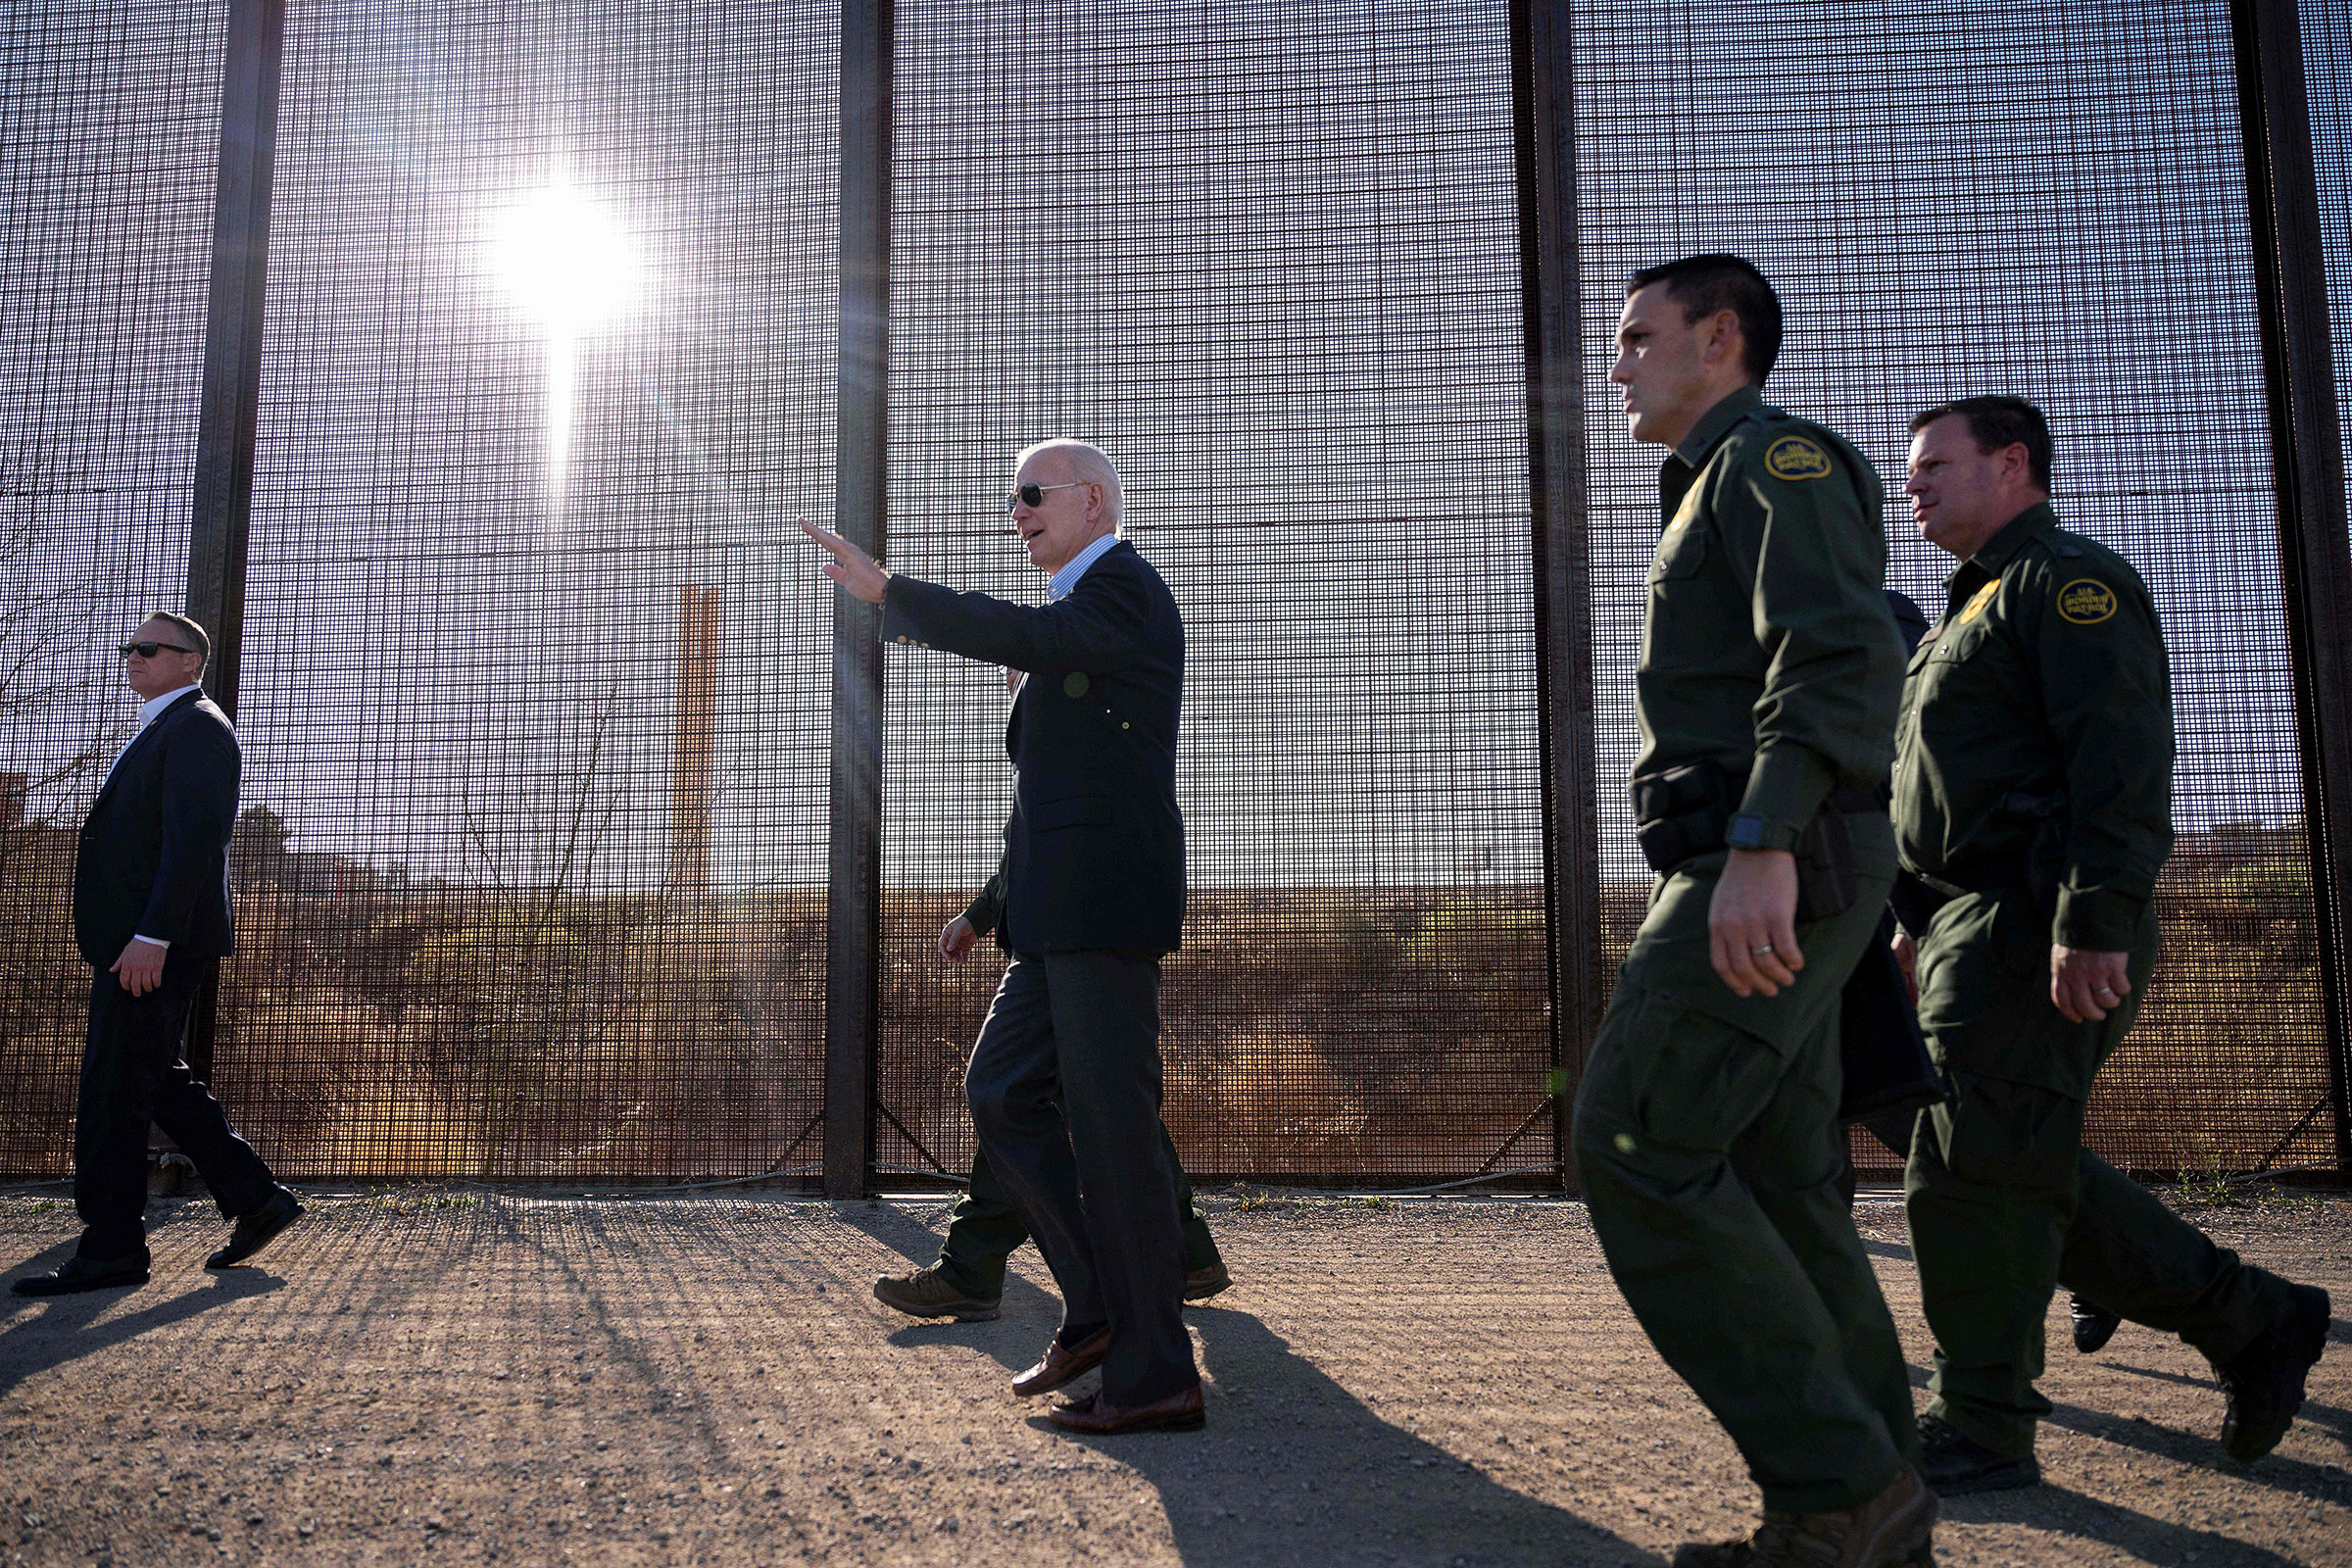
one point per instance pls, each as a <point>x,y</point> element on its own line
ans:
<point>151,914</point>
<point>1093,895</point>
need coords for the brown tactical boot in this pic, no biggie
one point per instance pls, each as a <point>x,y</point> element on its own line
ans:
<point>929,1293</point>
<point>1897,1529</point>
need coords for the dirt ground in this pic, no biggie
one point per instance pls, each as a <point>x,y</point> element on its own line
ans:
<point>518,1378</point>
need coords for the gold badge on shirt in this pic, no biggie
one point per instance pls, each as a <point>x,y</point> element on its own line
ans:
<point>1976,607</point>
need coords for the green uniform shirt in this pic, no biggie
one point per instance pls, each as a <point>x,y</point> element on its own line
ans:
<point>2042,696</point>
<point>1768,641</point>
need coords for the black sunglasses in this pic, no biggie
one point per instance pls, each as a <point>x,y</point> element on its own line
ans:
<point>150,649</point>
<point>1034,495</point>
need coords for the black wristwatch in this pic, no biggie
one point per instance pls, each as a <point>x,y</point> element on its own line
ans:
<point>1748,831</point>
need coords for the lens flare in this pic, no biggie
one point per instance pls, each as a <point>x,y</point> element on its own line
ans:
<point>564,261</point>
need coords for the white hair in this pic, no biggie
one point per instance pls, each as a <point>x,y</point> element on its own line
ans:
<point>1089,465</point>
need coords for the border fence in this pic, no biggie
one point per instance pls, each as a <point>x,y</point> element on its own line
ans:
<point>463,365</point>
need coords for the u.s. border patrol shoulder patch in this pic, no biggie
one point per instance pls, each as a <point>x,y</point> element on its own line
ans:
<point>2087,601</point>
<point>1792,456</point>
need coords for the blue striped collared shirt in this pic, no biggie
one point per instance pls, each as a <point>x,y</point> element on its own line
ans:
<point>1058,585</point>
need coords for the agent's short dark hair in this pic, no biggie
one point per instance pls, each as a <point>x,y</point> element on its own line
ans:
<point>195,634</point>
<point>1705,285</point>
<point>1997,423</point>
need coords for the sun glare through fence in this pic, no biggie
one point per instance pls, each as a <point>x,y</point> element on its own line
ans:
<point>533,692</point>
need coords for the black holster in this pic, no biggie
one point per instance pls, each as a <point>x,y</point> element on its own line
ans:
<point>1684,811</point>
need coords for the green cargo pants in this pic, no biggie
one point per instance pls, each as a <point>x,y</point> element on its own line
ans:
<point>984,1228</point>
<point>2004,1200</point>
<point>1708,1139</point>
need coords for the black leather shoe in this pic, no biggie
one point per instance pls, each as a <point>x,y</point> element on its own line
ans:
<point>2094,1325</point>
<point>1957,1464</point>
<point>257,1229</point>
<point>2264,1380</point>
<point>86,1274</point>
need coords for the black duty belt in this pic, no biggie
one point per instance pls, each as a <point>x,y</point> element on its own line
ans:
<point>1684,811</point>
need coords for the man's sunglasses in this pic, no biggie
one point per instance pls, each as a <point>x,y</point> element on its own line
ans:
<point>1034,495</point>
<point>150,649</point>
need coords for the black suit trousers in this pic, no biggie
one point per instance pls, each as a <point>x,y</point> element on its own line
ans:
<point>1090,1174</point>
<point>134,1072</point>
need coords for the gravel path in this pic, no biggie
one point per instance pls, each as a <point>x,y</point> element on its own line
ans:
<point>513,1378</point>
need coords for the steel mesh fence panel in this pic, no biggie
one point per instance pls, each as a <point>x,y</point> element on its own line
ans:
<point>1266,256</point>
<point>110,127</point>
<point>2051,202</point>
<point>2328,78</point>
<point>534,848</point>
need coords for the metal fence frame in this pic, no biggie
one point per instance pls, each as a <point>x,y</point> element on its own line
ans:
<point>2306,447</point>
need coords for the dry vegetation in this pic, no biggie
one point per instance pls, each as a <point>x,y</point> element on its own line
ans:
<point>373,1027</point>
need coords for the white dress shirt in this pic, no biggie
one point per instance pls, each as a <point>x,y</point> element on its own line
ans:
<point>150,711</point>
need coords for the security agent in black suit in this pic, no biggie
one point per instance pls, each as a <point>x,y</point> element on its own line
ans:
<point>1093,895</point>
<point>151,914</point>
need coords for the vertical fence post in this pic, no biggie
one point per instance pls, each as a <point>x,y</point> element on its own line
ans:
<point>221,504</point>
<point>1543,102</point>
<point>854,896</point>
<point>2307,456</point>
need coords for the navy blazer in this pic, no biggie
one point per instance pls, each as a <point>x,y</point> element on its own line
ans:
<point>1093,856</point>
<point>154,854</point>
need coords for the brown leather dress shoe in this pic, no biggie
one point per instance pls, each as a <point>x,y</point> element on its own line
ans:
<point>1178,1412</point>
<point>1202,1283</point>
<point>1062,1364</point>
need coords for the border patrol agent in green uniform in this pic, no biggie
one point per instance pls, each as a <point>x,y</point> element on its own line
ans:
<point>984,1229</point>
<point>2032,796</point>
<point>1706,1123</point>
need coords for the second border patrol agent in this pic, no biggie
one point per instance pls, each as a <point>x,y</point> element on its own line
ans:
<point>2032,793</point>
<point>1706,1124</point>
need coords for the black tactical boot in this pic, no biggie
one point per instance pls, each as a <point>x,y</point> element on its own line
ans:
<point>1957,1464</point>
<point>2264,1380</point>
<point>2094,1325</point>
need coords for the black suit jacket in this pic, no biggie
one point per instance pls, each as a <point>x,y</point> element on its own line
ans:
<point>154,854</point>
<point>1093,856</point>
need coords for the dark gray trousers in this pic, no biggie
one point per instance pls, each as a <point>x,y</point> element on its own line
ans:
<point>1093,1184</point>
<point>132,1073</point>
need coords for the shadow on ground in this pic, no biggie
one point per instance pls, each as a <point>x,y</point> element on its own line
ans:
<point>1322,1478</point>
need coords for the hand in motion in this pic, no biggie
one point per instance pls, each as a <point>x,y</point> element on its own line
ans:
<point>1906,957</point>
<point>1752,924</point>
<point>851,568</point>
<point>140,969</point>
<point>956,939</point>
<point>2086,985</point>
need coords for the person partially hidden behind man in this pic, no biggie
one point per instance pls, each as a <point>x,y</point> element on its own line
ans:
<point>2033,799</point>
<point>1064,1081</point>
<point>985,1229</point>
<point>151,914</point>
<point>1706,1124</point>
